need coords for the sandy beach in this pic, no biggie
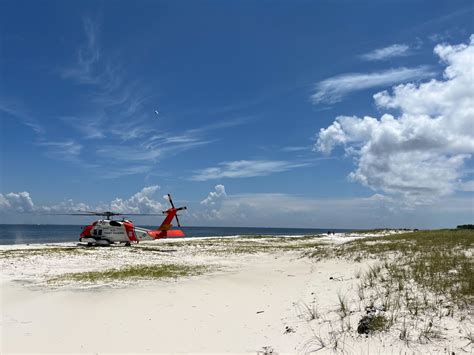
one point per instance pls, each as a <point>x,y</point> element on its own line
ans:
<point>256,295</point>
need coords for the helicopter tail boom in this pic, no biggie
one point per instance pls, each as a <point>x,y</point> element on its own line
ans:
<point>172,233</point>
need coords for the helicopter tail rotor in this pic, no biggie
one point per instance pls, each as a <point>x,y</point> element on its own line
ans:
<point>172,213</point>
<point>176,209</point>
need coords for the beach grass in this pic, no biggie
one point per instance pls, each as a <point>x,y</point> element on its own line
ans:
<point>412,283</point>
<point>439,260</point>
<point>136,272</point>
<point>44,251</point>
<point>249,244</point>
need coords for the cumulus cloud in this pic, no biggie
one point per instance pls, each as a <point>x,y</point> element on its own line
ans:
<point>395,50</point>
<point>245,168</point>
<point>214,196</point>
<point>141,202</point>
<point>419,153</point>
<point>467,186</point>
<point>332,90</point>
<point>210,208</point>
<point>17,202</point>
<point>67,206</point>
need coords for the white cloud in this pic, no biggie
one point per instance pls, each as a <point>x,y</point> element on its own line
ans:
<point>215,196</point>
<point>295,148</point>
<point>67,150</point>
<point>126,169</point>
<point>141,202</point>
<point>87,56</point>
<point>88,126</point>
<point>210,208</point>
<point>467,186</point>
<point>117,106</point>
<point>68,206</point>
<point>17,202</point>
<point>258,210</point>
<point>245,168</point>
<point>13,108</point>
<point>395,50</point>
<point>420,154</point>
<point>121,111</point>
<point>332,90</point>
<point>285,210</point>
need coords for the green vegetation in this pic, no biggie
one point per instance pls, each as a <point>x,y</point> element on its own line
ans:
<point>418,279</point>
<point>372,231</point>
<point>218,246</point>
<point>47,251</point>
<point>439,260</point>
<point>136,272</point>
<point>465,226</point>
<point>252,244</point>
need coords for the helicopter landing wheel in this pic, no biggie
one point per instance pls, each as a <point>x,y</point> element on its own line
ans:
<point>127,244</point>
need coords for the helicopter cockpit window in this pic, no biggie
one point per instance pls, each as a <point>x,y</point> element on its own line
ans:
<point>100,231</point>
<point>94,232</point>
<point>115,224</point>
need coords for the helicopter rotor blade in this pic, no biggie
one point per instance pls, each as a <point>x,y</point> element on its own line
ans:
<point>68,214</point>
<point>140,214</point>
<point>171,201</point>
<point>108,214</point>
<point>177,220</point>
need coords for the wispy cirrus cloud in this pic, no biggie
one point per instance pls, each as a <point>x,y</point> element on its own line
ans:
<point>89,128</point>
<point>116,106</point>
<point>333,90</point>
<point>245,168</point>
<point>14,108</point>
<point>66,150</point>
<point>295,148</point>
<point>149,153</point>
<point>88,55</point>
<point>124,170</point>
<point>121,111</point>
<point>395,50</point>
<point>221,124</point>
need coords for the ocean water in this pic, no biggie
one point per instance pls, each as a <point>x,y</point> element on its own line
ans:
<point>44,233</point>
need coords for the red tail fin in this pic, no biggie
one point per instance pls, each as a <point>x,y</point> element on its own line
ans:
<point>170,214</point>
<point>164,231</point>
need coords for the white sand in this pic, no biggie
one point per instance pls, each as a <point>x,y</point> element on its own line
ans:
<point>254,302</point>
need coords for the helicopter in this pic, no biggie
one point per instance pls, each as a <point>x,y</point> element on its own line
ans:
<point>107,231</point>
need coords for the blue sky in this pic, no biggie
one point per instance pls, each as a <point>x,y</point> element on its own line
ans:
<point>243,90</point>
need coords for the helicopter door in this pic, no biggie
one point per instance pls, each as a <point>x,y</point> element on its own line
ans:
<point>97,232</point>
